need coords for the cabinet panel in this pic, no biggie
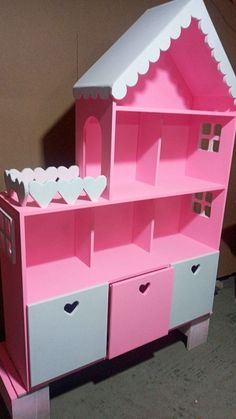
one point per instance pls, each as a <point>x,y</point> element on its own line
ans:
<point>139,310</point>
<point>193,290</point>
<point>67,333</point>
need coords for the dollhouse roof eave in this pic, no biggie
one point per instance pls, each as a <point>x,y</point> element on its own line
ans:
<point>120,67</point>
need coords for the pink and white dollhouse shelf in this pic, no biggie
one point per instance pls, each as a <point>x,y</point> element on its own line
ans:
<point>42,186</point>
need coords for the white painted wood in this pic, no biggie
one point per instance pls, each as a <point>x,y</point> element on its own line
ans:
<point>43,193</point>
<point>196,331</point>
<point>34,405</point>
<point>193,292</point>
<point>94,187</point>
<point>70,190</point>
<point>70,173</point>
<point>60,342</point>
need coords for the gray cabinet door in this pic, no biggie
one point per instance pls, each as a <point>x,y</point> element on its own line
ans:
<point>67,333</point>
<point>193,291</point>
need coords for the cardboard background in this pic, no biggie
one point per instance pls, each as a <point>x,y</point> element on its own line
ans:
<point>45,47</point>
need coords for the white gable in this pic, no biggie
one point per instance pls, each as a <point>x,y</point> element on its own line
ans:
<point>130,56</point>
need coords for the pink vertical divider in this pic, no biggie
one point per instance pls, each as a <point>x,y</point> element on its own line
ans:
<point>148,150</point>
<point>84,235</point>
<point>143,224</point>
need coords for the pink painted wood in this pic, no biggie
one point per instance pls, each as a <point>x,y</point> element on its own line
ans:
<point>139,310</point>
<point>196,331</point>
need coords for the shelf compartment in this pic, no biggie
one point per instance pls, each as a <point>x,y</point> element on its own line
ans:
<point>154,149</point>
<point>56,236</point>
<point>189,218</point>
<point>127,224</point>
<point>137,148</point>
<point>125,240</point>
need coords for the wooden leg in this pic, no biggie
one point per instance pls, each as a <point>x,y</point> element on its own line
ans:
<point>196,331</point>
<point>32,406</point>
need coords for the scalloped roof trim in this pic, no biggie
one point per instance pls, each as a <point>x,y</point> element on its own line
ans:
<point>171,31</point>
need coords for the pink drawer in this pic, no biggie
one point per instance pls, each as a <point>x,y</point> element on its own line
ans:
<point>139,310</point>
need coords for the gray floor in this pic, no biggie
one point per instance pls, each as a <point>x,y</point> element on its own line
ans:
<point>161,380</point>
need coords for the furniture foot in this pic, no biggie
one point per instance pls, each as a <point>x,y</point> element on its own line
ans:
<point>196,331</point>
<point>32,406</point>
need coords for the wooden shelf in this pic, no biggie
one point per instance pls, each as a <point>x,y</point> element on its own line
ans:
<point>128,192</point>
<point>56,278</point>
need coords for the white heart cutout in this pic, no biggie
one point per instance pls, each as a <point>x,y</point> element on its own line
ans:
<point>70,190</point>
<point>94,187</point>
<point>70,173</point>
<point>43,193</point>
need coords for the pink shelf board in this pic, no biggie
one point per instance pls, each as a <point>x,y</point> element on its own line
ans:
<point>167,111</point>
<point>135,191</point>
<point>167,187</point>
<point>65,276</point>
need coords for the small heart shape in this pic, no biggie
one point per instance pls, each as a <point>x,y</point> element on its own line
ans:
<point>41,175</point>
<point>195,268</point>
<point>70,173</point>
<point>70,308</point>
<point>43,193</point>
<point>94,187</point>
<point>144,287</point>
<point>70,190</point>
<point>27,175</point>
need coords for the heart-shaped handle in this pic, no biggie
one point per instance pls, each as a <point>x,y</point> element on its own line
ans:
<point>144,287</point>
<point>195,268</point>
<point>71,308</point>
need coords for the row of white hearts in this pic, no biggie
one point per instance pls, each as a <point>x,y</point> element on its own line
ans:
<point>70,190</point>
<point>43,175</point>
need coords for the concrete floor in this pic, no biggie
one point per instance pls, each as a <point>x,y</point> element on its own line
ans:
<point>161,380</point>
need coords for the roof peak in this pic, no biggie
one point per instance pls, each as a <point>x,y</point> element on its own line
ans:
<point>143,42</point>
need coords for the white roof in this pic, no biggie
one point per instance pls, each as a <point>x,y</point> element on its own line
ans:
<point>130,55</point>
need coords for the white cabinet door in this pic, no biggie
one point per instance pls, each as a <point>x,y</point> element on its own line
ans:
<point>193,291</point>
<point>67,333</point>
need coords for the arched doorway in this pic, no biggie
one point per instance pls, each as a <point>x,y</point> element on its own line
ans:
<point>92,147</point>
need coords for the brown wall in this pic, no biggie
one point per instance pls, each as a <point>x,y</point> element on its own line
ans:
<point>45,46</point>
